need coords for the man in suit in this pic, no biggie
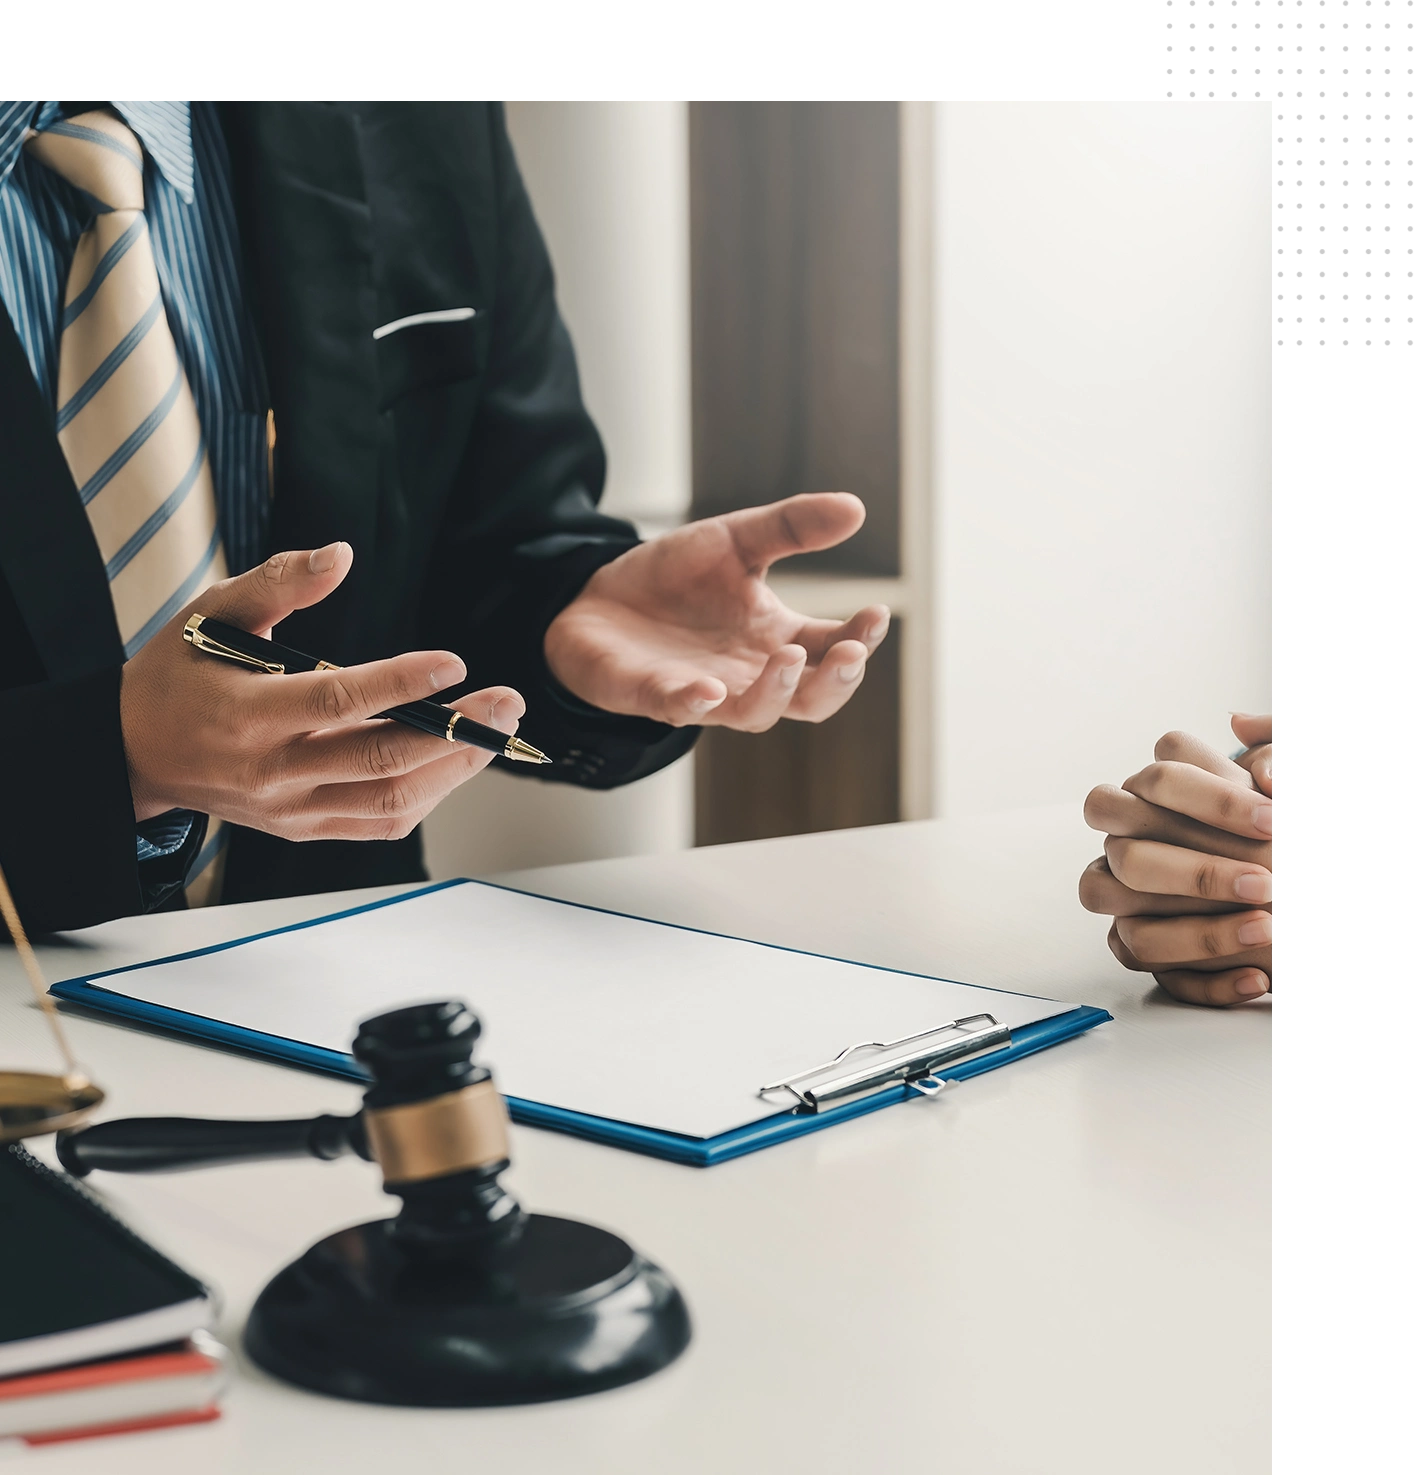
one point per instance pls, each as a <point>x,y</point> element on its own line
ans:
<point>261,339</point>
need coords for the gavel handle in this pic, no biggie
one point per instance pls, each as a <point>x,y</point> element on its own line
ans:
<point>156,1144</point>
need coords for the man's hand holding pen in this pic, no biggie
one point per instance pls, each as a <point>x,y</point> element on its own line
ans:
<point>296,757</point>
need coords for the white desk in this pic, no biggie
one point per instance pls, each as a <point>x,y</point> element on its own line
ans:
<point>1062,1266</point>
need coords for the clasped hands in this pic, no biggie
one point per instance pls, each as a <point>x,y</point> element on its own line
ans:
<point>683,629</point>
<point>1187,868</point>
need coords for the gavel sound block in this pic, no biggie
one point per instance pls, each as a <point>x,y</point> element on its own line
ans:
<point>460,1300</point>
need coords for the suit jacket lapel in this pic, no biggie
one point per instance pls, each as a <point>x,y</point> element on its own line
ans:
<point>47,550</point>
<point>304,218</point>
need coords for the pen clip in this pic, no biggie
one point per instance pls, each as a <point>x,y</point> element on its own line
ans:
<point>194,635</point>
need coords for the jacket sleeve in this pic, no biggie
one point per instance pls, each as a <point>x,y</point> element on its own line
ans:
<point>524,533</point>
<point>67,838</point>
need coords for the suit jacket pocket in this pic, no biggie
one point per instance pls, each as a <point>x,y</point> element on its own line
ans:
<point>422,355</point>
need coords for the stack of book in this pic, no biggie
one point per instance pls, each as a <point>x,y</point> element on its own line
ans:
<point>99,1332</point>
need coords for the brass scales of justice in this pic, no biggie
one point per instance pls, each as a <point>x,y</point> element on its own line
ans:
<point>462,1299</point>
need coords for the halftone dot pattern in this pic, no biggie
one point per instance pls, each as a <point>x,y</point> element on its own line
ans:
<point>1340,77</point>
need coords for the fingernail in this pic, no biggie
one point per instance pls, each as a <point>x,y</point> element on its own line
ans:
<point>700,704</point>
<point>504,715</point>
<point>850,673</point>
<point>1262,818</point>
<point>446,674</point>
<point>322,559</point>
<point>1250,985</point>
<point>1255,932</point>
<point>1253,886</point>
<point>877,632</point>
<point>791,674</point>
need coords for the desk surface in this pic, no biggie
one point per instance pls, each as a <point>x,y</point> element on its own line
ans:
<point>1060,1266</point>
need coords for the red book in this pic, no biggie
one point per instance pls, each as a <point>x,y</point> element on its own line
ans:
<point>177,1384</point>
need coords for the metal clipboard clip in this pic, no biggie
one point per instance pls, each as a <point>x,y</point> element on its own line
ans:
<point>912,1062</point>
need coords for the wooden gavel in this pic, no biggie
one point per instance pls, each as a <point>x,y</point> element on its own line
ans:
<point>432,1120</point>
<point>462,1298</point>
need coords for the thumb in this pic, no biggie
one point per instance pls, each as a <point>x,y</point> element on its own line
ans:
<point>285,582</point>
<point>801,524</point>
<point>1250,730</point>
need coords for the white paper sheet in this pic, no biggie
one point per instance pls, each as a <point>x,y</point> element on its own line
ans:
<point>636,1021</point>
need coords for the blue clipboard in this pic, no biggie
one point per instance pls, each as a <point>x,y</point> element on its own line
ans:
<point>693,1151</point>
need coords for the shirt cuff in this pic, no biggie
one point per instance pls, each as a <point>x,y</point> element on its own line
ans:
<point>165,835</point>
<point>167,847</point>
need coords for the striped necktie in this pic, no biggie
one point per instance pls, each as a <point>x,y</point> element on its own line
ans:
<point>126,420</point>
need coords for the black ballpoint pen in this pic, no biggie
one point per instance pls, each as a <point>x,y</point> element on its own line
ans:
<point>244,649</point>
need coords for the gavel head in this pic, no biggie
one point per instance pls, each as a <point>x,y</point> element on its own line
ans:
<point>462,1300</point>
<point>419,1052</point>
<point>436,1126</point>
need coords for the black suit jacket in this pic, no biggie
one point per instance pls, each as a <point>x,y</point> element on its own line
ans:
<point>457,459</point>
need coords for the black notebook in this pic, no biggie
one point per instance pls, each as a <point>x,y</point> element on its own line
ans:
<point>75,1282</point>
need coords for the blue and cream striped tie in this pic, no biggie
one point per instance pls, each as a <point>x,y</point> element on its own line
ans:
<point>127,421</point>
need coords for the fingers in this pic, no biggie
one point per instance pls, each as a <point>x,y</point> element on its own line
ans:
<point>800,524</point>
<point>1231,986</point>
<point>1102,891</point>
<point>868,627</point>
<point>1218,986</point>
<point>1258,762</point>
<point>1158,942</point>
<point>389,808</point>
<point>1255,734</point>
<point>1182,747</point>
<point>764,702</point>
<point>383,750</point>
<point>786,687</point>
<point>1186,870</point>
<point>679,699</point>
<point>1201,795</point>
<point>318,699</point>
<point>1250,730</point>
<point>500,707</point>
<point>371,750</point>
<point>823,691</point>
<point>285,582</point>
<point>1148,865</point>
<point>673,691</point>
<point>1116,812</point>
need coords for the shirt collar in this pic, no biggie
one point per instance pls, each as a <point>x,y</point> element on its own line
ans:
<point>163,127</point>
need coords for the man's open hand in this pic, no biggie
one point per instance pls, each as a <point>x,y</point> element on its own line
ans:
<point>1187,868</point>
<point>295,755</point>
<point>684,629</point>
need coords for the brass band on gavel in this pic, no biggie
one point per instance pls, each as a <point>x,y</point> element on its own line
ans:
<point>444,1134</point>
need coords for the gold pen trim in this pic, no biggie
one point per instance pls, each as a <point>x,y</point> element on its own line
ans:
<point>515,749</point>
<point>523,752</point>
<point>193,634</point>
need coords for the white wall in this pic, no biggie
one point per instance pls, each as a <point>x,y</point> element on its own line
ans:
<point>609,186</point>
<point>1100,519</point>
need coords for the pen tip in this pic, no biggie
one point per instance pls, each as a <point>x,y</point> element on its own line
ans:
<point>523,752</point>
